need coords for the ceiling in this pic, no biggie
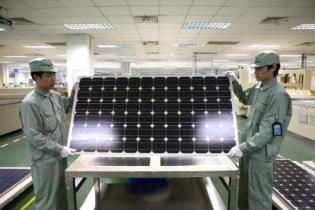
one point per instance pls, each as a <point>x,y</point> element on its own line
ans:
<point>48,17</point>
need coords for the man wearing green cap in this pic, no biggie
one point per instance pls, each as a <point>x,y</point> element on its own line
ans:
<point>42,115</point>
<point>260,142</point>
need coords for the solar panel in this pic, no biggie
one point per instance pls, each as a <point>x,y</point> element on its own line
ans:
<point>153,115</point>
<point>294,184</point>
<point>10,177</point>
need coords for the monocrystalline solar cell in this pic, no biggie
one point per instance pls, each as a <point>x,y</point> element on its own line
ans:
<point>153,114</point>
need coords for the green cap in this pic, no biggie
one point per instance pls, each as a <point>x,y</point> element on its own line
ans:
<point>41,65</point>
<point>265,58</point>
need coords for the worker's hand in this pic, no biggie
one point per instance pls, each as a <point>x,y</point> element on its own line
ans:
<point>66,151</point>
<point>235,152</point>
<point>231,75</point>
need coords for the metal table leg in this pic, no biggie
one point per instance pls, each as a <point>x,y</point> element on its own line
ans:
<point>71,193</point>
<point>233,190</point>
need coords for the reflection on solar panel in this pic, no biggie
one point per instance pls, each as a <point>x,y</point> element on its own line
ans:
<point>294,184</point>
<point>153,115</point>
<point>10,177</point>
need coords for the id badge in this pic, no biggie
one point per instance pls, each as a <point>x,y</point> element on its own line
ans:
<point>277,129</point>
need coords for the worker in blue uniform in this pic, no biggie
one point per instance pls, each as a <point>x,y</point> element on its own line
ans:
<point>43,120</point>
<point>260,142</point>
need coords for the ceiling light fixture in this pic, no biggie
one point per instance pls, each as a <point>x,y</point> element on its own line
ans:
<point>189,45</point>
<point>265,46</point>
<point>236,55</point>
<point>96,26</point>
<point>38,46</point>
<point>304,27</point>
<point>290,56</point>
<point>111,46</point>
<point>205,25</point>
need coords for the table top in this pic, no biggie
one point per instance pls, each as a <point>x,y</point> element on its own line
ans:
<point>152,166</point>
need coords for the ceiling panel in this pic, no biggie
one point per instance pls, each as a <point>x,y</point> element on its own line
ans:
<point>110,2</point>
<point>203,10</point>
<point>42,3</point>
<point>173,10</point>
<point>78,3</point>
<point>114,11</point>
<point>143,2</point>
<point>71,11</point>
<point>232,10</point>
<point>144,10</point>
<point>13,4</point>
<point>120,19</point>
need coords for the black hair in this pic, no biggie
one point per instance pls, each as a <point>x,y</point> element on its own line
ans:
<point>39,74</point>
<point>275,73</point>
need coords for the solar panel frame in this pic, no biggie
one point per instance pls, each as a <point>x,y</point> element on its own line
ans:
<point>159,83</point>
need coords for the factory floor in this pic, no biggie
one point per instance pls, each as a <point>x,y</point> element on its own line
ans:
<point>14,152</point>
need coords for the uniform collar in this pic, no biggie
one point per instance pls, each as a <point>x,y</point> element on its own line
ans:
<point>42,93</point>
<point>270,84</point>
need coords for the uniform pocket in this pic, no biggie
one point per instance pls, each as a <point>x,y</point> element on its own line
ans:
<point>50,122</point>
<point>259,113</point>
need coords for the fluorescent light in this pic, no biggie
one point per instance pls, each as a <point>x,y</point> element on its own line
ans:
<point>304,27</point>
<point>205,25</point>
<point>236,55</point>
<point>266,46</point>
<point>39,46</point>
<point>14,56</point>
<point>111,46</point>
<point>189,45</point>
<point>221,60</point>
<point>62,55</point>
<point>2,29</point>
<point>290,56</point>
<point>96,26</point>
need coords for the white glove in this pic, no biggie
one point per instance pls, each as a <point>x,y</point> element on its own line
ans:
<point>66,151</point>
<point>231,75</point>
<point>235,152</point>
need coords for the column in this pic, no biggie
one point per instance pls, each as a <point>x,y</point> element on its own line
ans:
<point>79,58</point>
<point>125,69</point>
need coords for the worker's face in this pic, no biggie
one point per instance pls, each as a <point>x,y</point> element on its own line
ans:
<point>46,81</point>
<point>264,74</point>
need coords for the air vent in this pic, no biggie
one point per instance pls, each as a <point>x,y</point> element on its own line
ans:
<point>1,45</point>
<point>146,19</point>
<point>96,53</point>
<point>152,53</point>
<point>56,44</point>
<point>274,20</point>
<point>222,43</point>
<point>307,44</point>
<point>150,43</point>
<point>21,21</point>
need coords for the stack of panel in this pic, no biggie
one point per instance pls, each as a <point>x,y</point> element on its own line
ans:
<point>153,115</point>
<point>11,177</point>
<point>294,185</point>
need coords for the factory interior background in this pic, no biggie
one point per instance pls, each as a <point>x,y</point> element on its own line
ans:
<point>156,38</point>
